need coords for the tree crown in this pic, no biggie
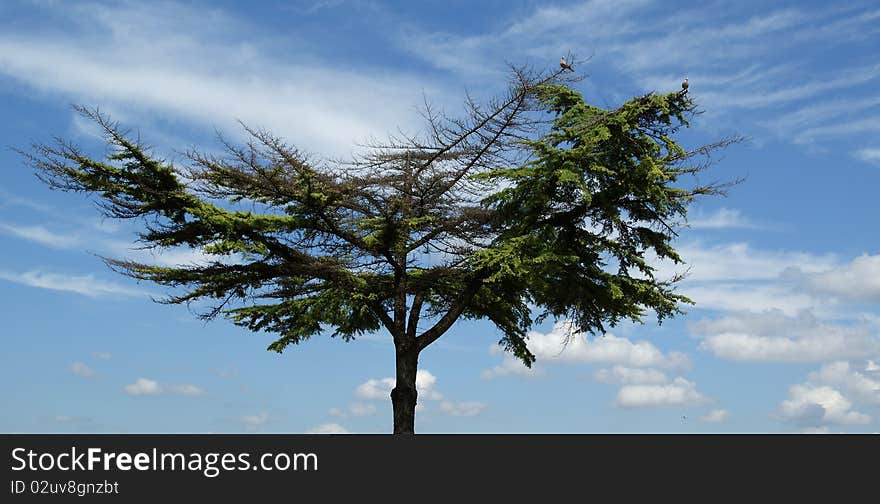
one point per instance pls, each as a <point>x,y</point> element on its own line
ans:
<point>486,216</point>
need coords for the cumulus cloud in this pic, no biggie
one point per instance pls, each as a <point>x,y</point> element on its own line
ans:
<point>843,375</point>
<point>144,386</point>
<point>509,366</point>
<point>375,388</point>
<point>426,385</point>
<point>80,369</point>
<point>328,428</point>
<point>380,388</point>
<point>623,375</point>
<point>561,345</point>
<point>773,336</point>
<point>811,405</point>
<point>679,392</point>
<point>715,416</point>
<point>858,280</point>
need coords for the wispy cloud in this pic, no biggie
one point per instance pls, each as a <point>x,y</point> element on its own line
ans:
<point>869,155</point>
<point>40,234</point>
<point>169,60</point>
<point>723,218</point>
<point>757,62</point>
<point>86,285</point>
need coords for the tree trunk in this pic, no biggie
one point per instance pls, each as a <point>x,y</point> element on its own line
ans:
<point>404,394</point>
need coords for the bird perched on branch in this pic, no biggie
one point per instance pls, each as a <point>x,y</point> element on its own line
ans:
<point>684,85</point>
<point>564,64</point>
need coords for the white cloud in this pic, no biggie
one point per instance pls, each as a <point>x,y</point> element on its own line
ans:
<point>842,374</point>
<point>734,62</point>
<point>715,416</point>
<point>381,388</point>
<point>816,406</point>
<point>858,280</point>
<point>679,392</point>
<point>143,386</point>
<point>41,235</point>
<point>772,336</point>
<point>509,365</point>
<point>102,355</point>
<point>181,62</point>
<point>740,262</point>
<point>80,369</point>
<point>872,367</point>
<point>869,155</point>
<point>560,344</point>
<point>375,389</point>
<point>425,382</point>
<point>328,428</point>
<point>723,218</point>
<point>86,285</point>
<point>465,409</point>
<point>746,296</point>
<point>629,376</point>
<point>85,237</point>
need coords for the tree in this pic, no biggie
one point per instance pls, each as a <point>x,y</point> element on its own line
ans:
<point>533,199</point>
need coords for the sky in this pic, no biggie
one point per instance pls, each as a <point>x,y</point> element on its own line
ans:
<point>785,270</point>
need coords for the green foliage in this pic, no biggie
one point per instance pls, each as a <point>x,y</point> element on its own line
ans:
<point>570,231</point>
<point>575,225</point>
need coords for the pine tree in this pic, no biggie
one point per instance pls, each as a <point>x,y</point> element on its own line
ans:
<point>534,199</point>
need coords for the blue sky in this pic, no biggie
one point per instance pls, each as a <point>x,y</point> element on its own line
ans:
<point>785,335</point>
